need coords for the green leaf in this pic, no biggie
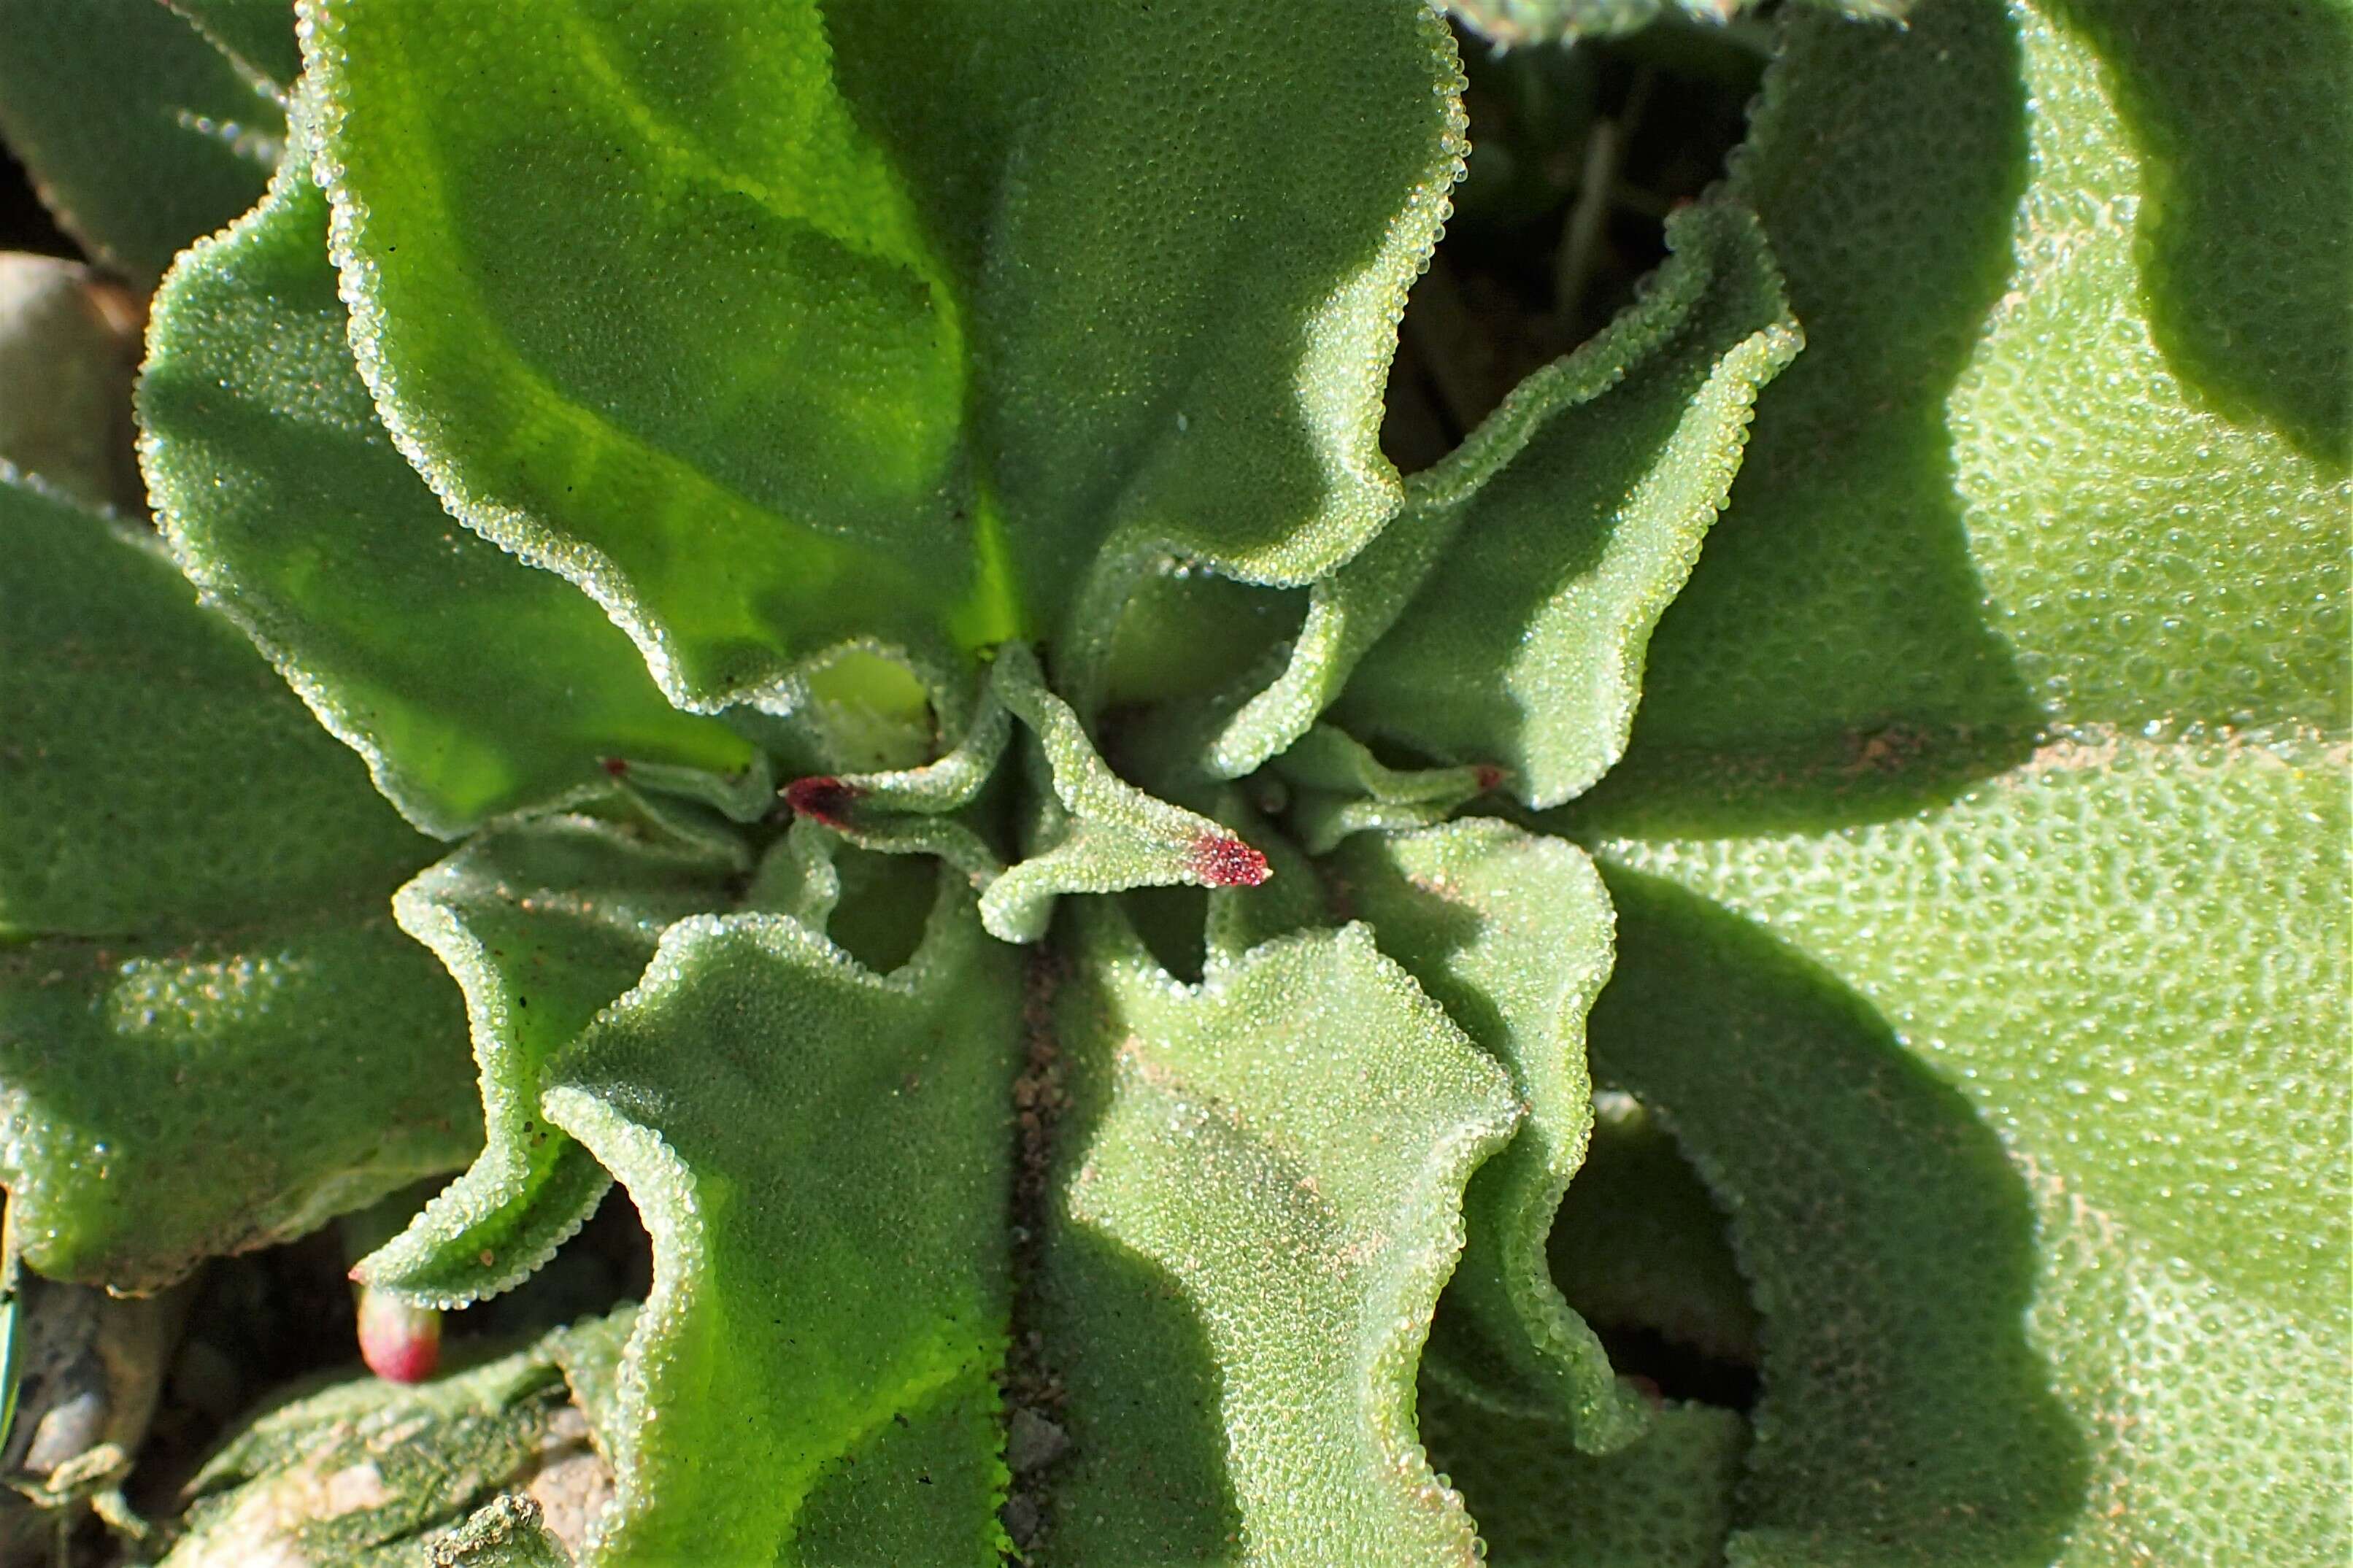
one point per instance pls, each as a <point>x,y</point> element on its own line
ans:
<point>505,1533</point>
<point>66,364</point>
<point>2162,1059</point>
<point>140,134</point>
<point>1254,1209</point>
<point>1501,618</point>
<point>259,35</point>
<point>164,1100</point>
<point>917,316</point>
<point>1665,1501</point>
<point>156,778</point>
<point>217,990</point>
<point>1510,933</point>
<point>821,1154</point>
<point>1096,832</point>
<point>1343,789</point>
<point>1906,1416</point>
<point>1991,494</point>
<point>473,685</point>
<point>1639,1241</point>
<point>543,924</point>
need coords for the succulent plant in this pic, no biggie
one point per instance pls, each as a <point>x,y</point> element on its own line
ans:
<point>798,604</point>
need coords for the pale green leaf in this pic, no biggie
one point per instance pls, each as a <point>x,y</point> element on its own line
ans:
<point>1340,788</point>
<point>1501,618</point>
<point>505,1533</point>
<point>918,316</point>
<point>1510,933</point>
<point>1665,1501</point>
<point>543,924</point>
<point>66,361</point>
<point>1096,833</point>
<point>1999,488</point>
<point>473,685</point>
<point>821,1154</point>
<point>139,132</point>
<point>2162,1050</point>
<point>1255,1206</point>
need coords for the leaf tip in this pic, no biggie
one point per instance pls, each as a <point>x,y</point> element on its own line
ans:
<point>1222,860</point>
<point>824,797</point>
<point>400,1343</point>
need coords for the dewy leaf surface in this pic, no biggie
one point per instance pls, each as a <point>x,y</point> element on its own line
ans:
<point>2100,988</point>
<point>473,685</point>
<point>1255,1209</point>
<point>904,311</point>
<point>821,1154</point>
<point>543,924</point>
<point>139,132</point>
<point>2164,1068</point>
<point>156,778</point>
<point>1989,493</point>
<point>1510,933</point>
<point>1500,619</point>
<point>214,984</point>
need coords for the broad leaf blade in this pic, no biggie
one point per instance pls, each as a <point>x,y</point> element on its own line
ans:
<point>140,134</point>
<point>1510,933</point>
<point>1255,1210</point>
<point>1035,299</point>
<point>821,1154</point>
<point>543,924</point>
<point>473,685</point>
<point>156,778</point>
<point>1994,492</point>
<point>164,1102</point>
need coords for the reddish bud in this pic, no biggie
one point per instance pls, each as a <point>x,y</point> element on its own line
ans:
<point>1489,776</point>
<point>1222,860</point>
<point>618,766</point>
<point>825,798</point>
<point>400,1343</point>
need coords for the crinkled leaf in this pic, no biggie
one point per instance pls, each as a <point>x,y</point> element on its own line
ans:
<point>903,311</point>
<point>473,684</point>
<point>1510,933</point>
<point>1096,833</point>
<point>372,1474</point>
<point>1501,618</point>
<point>543,924</point>
<point>141,134</point>
<point>64,382</point>
<point>2163,1054</point>
<point>821,1154</point>
<point>156,778</point>
<point>1993,489</point>
<point>1665,1501</point>
<point>1255,1207</point>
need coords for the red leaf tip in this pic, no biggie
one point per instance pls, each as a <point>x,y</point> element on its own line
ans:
<point>824,797</point>
<point>1222,860</point>
<point>618,766</point>
<point>1489,777</point>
